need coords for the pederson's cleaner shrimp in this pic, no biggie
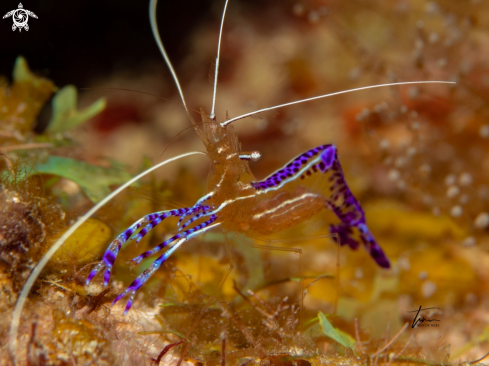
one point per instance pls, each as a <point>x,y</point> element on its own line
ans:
<point>236,201</point>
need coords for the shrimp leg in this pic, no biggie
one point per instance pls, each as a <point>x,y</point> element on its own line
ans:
<point>153,219</point>
<point>178,240</point>
<point>183,234</point>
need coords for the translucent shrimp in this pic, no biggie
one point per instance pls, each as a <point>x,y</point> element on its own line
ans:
<point>238,202</point>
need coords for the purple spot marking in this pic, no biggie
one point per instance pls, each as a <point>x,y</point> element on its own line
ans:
<point>109,258</point>
<point>127,234</point>
<point>290,170</point>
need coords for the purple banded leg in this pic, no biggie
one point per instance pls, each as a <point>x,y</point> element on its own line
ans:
<point>157,248</point>
<point>196,208</point>
<point>112,251</point>
<point>183,234</point>
<point>196,217</point>
<point>142,233</point>
<point>143,277</point>
<point>179,240</point>
<point>107,261</point>
<point>181,212</point>
<point>193,210</point>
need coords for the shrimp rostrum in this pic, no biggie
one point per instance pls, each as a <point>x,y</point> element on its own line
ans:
<point>237,201</point>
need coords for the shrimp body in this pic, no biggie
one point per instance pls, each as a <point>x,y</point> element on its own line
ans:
<point>238,202</point>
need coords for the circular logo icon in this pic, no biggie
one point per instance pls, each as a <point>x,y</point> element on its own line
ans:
<point>20,17</point>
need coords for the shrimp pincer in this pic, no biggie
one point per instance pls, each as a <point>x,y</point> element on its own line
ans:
<point>238,202</point>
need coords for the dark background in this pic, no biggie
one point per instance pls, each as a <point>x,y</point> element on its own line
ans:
<point>73,41</point>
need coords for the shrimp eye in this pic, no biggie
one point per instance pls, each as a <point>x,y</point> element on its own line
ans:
<point>253,156</point>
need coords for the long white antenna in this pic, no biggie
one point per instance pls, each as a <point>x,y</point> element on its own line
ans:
<point>14,325</point>
<point>213,110</point>
<point>156,34</point>
<point>224,124</point>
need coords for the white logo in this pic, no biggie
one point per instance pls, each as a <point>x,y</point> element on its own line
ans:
<point>20,17</point>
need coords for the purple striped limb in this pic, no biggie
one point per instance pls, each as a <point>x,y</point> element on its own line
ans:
<point>197,207</point>
<point>193,210</point>
<point>178,240</point>
<point>339,198</point>
<point>143,277</point>
<point>197,211</point>
<point>205,211</point>
<point>183,234</point>
<point>107,261</point>
<point>142,233</point>
<point>110,254</point>
<point>112,251</point>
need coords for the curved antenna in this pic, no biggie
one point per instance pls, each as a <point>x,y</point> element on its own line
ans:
<point>213,110</point>
<point>156,34</point>
<point>224,124</point>
<point>14,325</point>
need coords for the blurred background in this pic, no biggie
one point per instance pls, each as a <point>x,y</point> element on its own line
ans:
<point>417,157</point>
